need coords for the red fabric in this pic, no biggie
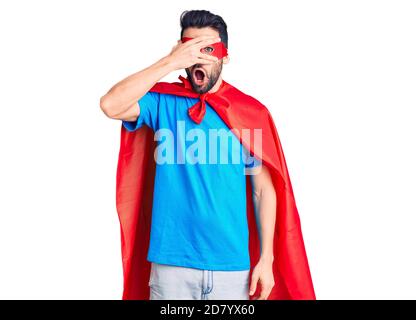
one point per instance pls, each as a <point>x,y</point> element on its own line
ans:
<point>220,50</point>
<point>134,193</point>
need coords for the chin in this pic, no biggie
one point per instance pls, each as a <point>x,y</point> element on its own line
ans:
<point>200,88</point>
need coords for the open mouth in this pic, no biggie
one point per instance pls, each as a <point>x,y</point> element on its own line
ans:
<point>199,76</point>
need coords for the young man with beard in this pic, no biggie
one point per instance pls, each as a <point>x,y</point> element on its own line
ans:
<point>199,236</point>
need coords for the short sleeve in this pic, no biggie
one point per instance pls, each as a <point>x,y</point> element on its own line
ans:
<point>149,106</point>
<point>250,161</point>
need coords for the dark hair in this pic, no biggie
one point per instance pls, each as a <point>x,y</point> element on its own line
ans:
<point>204,18</point>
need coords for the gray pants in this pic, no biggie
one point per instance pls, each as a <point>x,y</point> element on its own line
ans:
<point>168,282</point>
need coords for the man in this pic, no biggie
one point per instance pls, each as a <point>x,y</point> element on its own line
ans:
<point>199,239</point>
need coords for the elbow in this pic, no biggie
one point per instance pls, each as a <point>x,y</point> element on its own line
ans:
<point>107,106</point>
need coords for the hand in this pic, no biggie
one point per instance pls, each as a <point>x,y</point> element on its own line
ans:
<point>262,272</point>
<point>184,55</point>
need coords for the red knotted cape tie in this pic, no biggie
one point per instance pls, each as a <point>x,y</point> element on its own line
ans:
<point>198,110</point>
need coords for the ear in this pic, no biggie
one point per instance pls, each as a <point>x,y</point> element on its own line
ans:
<point>226,59</point>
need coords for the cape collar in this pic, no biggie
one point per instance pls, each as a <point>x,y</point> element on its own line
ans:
<point>198,110</point>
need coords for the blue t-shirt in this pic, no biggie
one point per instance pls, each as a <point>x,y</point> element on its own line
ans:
<point>199,217</point>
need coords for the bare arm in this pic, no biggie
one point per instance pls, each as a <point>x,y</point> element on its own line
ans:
<point>264,199</point>
<point>120,102</point>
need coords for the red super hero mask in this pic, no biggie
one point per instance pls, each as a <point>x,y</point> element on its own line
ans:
<point>217,49</point>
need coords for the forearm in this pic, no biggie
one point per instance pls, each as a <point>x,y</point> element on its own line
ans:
<point>129,90</point>
<point>265,206</point>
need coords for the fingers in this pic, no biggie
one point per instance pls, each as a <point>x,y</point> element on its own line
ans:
<point>199,39</point>
<point>207,57</point>
<point>202,61</point>
<point>265,292</point>
<point>266,286</point>
<point>207,42</point>
<point>253,284</point>
<point>191,54</point>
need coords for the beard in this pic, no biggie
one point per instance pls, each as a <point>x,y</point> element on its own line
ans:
<point>211,80</point>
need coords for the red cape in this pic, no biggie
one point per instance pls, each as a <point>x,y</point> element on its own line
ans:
<point>134,195</point>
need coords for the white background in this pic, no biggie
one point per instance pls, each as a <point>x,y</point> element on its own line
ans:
<point>338,76</point>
